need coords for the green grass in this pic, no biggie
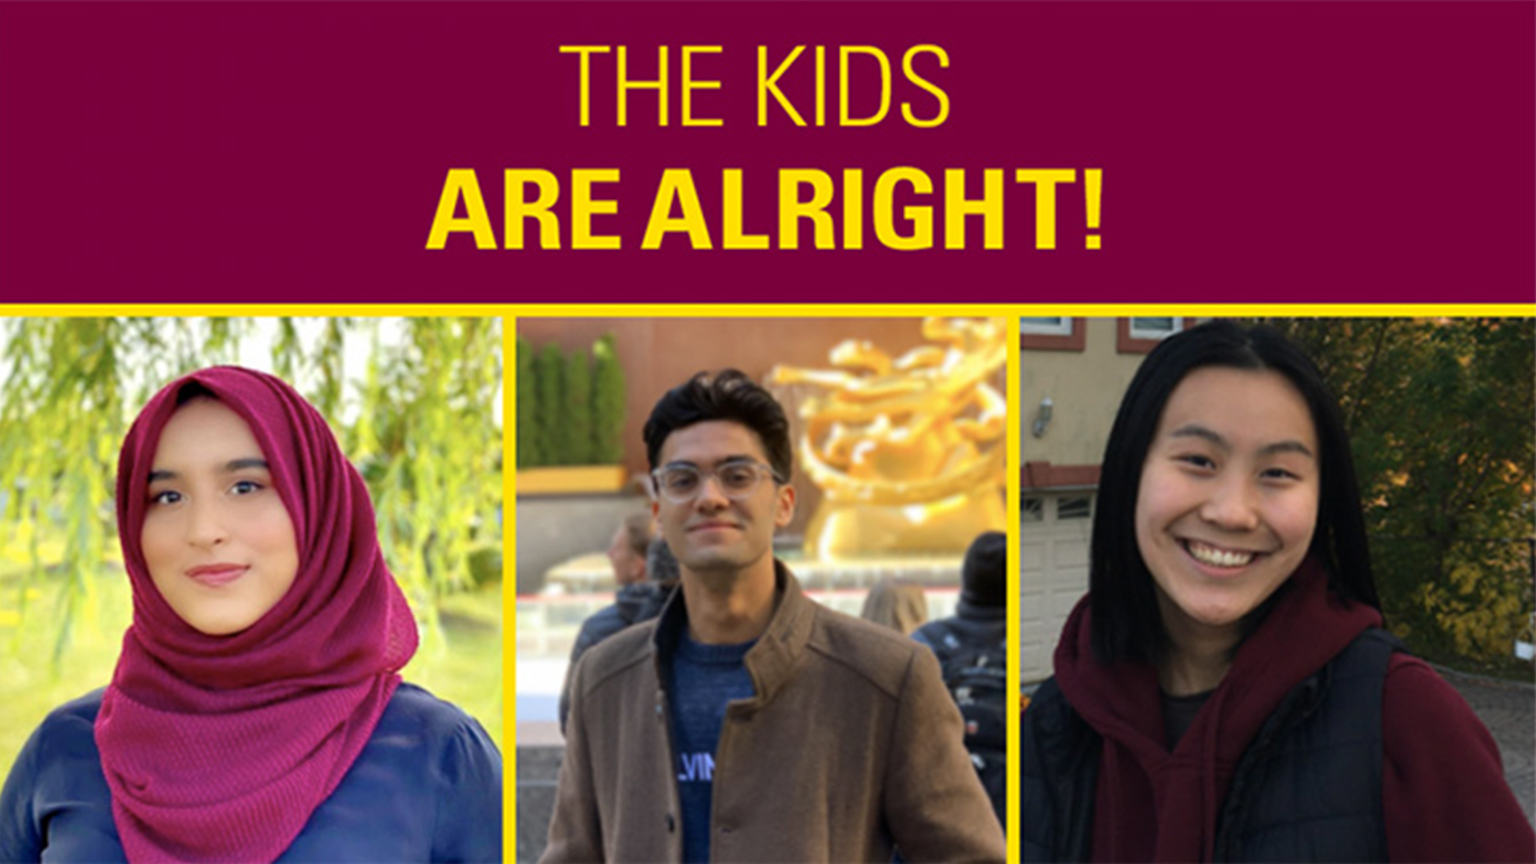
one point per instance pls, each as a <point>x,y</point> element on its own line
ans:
<point>461,664</point>
<point>464,665</point>
<point>30,683</point>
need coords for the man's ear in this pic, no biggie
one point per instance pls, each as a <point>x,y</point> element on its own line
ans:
<point>785,506</point>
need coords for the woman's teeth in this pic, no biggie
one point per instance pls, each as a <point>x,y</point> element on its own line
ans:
<point>1217,557</point>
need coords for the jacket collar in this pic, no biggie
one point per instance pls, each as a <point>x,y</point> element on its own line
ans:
<point>772,661</point>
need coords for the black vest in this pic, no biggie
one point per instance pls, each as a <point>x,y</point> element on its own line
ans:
<point>1308,788</point>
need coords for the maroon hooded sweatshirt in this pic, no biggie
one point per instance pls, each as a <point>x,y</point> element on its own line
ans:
<point>1444,794</point>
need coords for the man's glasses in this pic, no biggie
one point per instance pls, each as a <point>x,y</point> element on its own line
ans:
<point>680,482</point>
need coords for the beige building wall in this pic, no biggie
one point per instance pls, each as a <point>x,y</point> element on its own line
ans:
<point>1085,388</point>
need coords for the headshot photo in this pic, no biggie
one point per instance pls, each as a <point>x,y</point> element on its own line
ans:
<point>254,560</point>
<point>695,679</point>
<point>1276,589</point>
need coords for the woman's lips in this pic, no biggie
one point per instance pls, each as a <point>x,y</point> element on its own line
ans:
<point>217,574</point>
<point>1218,558</point>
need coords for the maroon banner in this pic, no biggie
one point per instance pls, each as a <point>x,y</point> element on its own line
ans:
<point>1212,152</point>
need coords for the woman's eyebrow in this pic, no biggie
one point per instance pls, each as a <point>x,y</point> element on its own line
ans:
<point>1195,430</point>
<point>229,467</point>
<point>1287,447</point>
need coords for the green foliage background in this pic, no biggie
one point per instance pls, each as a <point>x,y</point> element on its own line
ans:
<point>570,407</point>
<point>548,414</point>
<point>530,442</point>
<point>608,396</point>
<point>1442,419</point>
<point>419,420</point>
<point>576,404</point>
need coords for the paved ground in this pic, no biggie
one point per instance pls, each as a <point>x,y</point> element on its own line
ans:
<point>538,766</point>
<point>1509,711</point>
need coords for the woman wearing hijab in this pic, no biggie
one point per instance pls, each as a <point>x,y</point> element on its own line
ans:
<point>257,711</point>
<point>1225,692</point>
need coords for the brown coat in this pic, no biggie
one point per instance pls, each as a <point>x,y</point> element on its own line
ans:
<point>851,744</point>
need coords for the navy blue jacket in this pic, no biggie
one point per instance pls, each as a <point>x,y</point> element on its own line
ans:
<point>427,787</point>
<point>972,624</point>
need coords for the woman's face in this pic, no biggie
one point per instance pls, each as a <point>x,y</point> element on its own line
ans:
<point>217,539</point>
<point>1229,494</point>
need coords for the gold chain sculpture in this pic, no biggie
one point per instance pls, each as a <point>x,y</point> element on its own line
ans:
<point>909,452</point>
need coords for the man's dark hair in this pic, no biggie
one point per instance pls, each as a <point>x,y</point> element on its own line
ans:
<point>727,395</point>
<point>1126,622</point>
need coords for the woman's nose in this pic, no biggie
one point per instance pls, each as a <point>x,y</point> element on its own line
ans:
<point>206,525</point>
<point>1232,506</point>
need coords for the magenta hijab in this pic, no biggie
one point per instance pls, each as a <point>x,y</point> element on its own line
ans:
<point>218,748</point>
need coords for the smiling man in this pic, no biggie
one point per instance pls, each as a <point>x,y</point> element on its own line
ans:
<point>748,722</point>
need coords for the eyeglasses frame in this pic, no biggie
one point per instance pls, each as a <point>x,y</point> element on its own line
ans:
<point>713,473</point>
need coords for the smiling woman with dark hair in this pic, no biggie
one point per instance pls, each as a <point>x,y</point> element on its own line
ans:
<point>1225,691</point>
<point>257,711</point>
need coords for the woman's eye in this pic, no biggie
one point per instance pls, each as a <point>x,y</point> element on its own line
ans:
<point>1197,461</point>
<point>166,497</point>
<point>1279,474</point>
<point>245,487</point>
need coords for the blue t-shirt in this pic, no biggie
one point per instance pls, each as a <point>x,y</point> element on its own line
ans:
<point>703,679</point>
<point>427,787</point>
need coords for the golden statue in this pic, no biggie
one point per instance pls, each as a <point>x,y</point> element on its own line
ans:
<point>908,452</point>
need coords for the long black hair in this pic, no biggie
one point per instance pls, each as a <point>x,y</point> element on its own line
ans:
<point>1126,621</point>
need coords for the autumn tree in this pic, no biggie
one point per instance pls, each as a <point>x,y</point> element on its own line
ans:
<point>1440,416</point>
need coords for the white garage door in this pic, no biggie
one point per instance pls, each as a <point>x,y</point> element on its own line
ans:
<point>1054,533</point>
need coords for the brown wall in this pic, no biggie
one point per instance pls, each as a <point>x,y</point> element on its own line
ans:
<point>660,353</point>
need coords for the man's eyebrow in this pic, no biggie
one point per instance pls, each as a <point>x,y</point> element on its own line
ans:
<point>232,465</point>
<point>739,457</point>
<point>1195,430</point>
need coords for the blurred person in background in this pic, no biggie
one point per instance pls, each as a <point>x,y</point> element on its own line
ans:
<point>638,599</point>
<point>972,647</point>
<point>897,604</point>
